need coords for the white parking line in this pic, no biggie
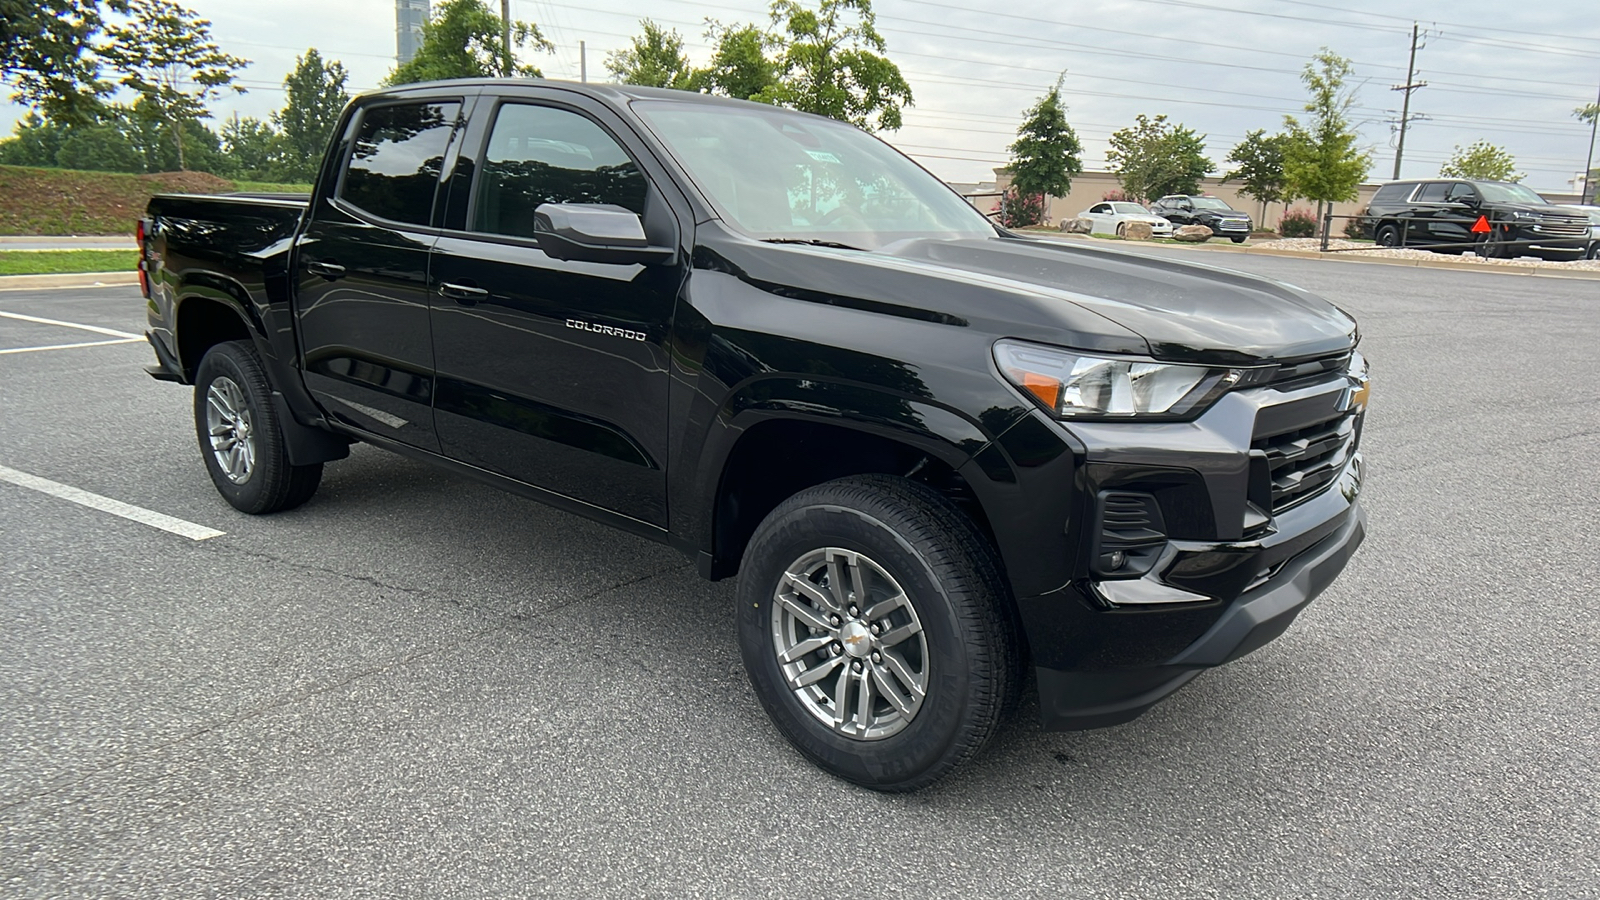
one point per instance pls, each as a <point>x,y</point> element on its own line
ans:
<point>105,504</point>
<point>70,346</point>
<point>94,328</point>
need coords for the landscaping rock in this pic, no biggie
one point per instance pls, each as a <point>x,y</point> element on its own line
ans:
<point>1136,231</point>
<point>1076,226</point>
<point>1193,234</point>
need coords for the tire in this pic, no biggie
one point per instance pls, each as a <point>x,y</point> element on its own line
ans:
<point>1119,231</point>
<point>954,634</point>
<point>1238,240</point>
<point>1387,236</point>
<point>239,436</point>
<point>1489,246</point>
<point>1594,251</point>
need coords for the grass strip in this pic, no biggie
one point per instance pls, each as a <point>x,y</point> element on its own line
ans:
<point>62,262</point>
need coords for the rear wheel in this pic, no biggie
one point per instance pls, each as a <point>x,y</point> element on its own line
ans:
<point>240,437</point>
<point>873,626</point>
<point>1387,236</point>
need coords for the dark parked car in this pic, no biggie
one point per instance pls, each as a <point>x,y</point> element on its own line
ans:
<point>1495,219</point>
<point>933,452</point>
<point>1188,209</point>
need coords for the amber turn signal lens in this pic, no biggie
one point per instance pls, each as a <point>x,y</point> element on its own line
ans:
<point>1047,389</point>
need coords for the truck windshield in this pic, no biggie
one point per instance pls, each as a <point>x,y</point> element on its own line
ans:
<point>1509,193</point>
<point>781,176</point>
<point>1210,203</point>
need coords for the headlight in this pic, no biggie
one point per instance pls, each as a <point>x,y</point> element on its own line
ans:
<point>1077,385</point>
<point>1525,216</point>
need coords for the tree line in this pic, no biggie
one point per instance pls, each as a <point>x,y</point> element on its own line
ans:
<point>70,63</point>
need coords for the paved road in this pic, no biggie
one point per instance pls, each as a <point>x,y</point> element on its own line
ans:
<point>416,686</point>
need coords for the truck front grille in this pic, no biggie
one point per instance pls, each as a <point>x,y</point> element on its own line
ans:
<point>1305,462</point>
<point>1576,228</point>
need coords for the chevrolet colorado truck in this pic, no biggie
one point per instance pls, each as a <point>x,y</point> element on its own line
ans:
<point>938,456</point>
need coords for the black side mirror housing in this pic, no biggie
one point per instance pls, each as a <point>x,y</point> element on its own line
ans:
<point>595,232</point>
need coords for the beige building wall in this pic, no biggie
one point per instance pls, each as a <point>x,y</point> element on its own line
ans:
<point>1091,187</point>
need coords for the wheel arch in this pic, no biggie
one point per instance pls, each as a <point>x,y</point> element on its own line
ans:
<point>774,456</point>
<point>210,310</point>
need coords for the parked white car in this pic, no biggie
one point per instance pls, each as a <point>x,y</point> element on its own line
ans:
<point>1594,228</point>
<point>1110,216</point>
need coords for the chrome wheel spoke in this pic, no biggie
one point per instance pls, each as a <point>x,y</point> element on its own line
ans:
<point>890,692</point>
<point>819,598</point>
<point>841,692</point>
<point>810,645</point>
<point>803,612</point>
<point>897,635</point>
<point>815,674</point>
<point>884,607</point>
<point>864,699</point>
<point>838,581</point>
<point>228,427</point>
<point>902,673</point>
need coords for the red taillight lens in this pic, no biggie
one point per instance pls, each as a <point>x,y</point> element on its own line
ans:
<point>144,277</point>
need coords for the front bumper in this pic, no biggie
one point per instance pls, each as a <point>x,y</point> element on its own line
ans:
<point>1252,510</point>
<point>1071,700</point>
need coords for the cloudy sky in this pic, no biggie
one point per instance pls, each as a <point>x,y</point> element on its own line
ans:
<point>1509,73</point>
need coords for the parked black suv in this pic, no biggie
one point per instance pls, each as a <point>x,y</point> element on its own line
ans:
<point>1188,209</point>
<point>934,452</point>
<point>1492,218</point>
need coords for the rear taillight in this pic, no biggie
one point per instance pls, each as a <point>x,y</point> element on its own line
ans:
<point>144,276</point>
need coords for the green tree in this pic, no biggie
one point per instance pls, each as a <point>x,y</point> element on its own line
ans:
<point>1046,153</point>
<point>654,59</point>
<point>35,142</point>
<point>1259,158</point>
<point>1152,159</point>
<point>1320,160</point>
<point>314,96</point>
<point>45,55</point>
<point>99,148</point>
<point>464,39</point>
<point>255,149</point>
<point>167,56</point>
<point>830,63</point>
<point>739,66</point>
<point>1483,160</point>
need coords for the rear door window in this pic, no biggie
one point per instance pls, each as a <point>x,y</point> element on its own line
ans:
<point>541,154</point>
<point>396,159</point>
<point>1392,193</point>
<point>1432,192</point>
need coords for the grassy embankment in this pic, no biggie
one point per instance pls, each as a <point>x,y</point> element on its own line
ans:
<point>63,201</point>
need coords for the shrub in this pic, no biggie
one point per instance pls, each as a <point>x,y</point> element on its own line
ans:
<point>1357,227</point>
<point>1021,210</point>
<point>1116,195</point>
<point>1298,223</point>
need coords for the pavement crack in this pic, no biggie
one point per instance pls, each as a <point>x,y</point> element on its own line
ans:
<point>309,567</point>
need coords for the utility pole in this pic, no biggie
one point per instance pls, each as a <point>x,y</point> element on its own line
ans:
<point>583,62</point>
<point>1589,195</point>
<point>1405,107</point>
<point>505,33</point>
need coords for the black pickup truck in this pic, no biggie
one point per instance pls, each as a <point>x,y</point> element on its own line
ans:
<point>937,455</point>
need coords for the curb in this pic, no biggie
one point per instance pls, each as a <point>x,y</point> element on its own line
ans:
<point>74,280</point>
<point>1442,263</point>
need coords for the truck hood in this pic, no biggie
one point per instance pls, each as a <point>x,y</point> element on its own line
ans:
<point>1075,296</point>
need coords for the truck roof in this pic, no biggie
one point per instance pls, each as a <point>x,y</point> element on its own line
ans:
<point>614,94</point>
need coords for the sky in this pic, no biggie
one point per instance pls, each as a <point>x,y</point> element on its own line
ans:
<point>1507,73</point>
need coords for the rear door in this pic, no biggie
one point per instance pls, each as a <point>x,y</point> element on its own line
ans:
<point>361,268</point>
<point>1427,206</point>
<point>554,372</point>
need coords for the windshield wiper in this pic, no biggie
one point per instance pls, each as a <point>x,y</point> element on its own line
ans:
<point>814,243</point>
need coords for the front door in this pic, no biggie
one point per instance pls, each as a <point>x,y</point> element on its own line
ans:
<point>361,271</point>
<point>554,373</point>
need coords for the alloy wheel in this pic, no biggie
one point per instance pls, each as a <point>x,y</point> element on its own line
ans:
<point>231,427</point>
<point>849,643</point>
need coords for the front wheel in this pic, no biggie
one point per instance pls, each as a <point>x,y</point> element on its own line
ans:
<point>873,627</point>
<point>1594,251</point>
<point>1238,240</point>
<point>1387,236</point>
<point>239,434</point>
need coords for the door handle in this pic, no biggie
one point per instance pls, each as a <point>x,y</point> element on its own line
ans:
<point>328,270</point>
<point>463,293</point>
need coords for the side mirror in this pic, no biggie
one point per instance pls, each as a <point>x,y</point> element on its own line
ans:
<point>595,232</point>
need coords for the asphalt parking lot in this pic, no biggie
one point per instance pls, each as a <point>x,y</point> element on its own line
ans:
<point>416,686</point>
